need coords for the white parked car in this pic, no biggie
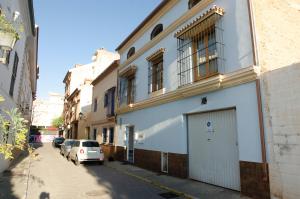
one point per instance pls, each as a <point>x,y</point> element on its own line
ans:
<point>86,150</point>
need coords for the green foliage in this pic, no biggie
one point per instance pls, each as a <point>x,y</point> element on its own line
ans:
<point>13,132</point>
<point>1,99</point>
<point>58,122</point>
<point>8,27</point>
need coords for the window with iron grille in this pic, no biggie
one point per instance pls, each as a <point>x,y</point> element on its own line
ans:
<point>14,75</point>
<point>200,51</point>
<point>155,74</point>
<point>126,89</point>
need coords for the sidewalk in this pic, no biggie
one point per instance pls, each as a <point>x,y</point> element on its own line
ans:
<point>183,187</point>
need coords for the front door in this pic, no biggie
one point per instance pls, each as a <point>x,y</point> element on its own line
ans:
<point>130,144</point>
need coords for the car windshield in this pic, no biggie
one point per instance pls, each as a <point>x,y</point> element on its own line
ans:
<point>90,144</point>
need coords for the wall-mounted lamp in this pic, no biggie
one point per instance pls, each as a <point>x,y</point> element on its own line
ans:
<point>204,100</point>
<point>81,116</point>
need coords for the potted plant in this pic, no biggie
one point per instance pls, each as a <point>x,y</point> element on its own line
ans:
<point>8,34</point>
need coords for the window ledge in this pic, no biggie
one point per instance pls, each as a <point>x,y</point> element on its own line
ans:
<point>157,93</point>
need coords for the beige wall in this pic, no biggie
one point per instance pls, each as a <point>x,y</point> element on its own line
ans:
<point>277,26</point>
<point>98,118</point>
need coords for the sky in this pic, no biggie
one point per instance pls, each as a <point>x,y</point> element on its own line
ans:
<point>72,30</point>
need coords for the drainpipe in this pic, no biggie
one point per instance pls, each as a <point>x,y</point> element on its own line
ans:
<point>258,90</point>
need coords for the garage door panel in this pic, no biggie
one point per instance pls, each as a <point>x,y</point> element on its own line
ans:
<point>213,150</point>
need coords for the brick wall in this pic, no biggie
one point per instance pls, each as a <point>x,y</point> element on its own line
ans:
<point>177,165</point>
<point>253,181</point>
<point>148,159</point>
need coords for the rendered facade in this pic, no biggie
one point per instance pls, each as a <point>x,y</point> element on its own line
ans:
<point>18,66</point>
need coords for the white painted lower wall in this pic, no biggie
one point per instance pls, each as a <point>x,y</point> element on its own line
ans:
<point>164,127</point>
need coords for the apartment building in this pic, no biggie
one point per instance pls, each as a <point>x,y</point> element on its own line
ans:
<point>103,117</point>
<point>78,93</point>
<point>189,100</point>
<point>18,60</point>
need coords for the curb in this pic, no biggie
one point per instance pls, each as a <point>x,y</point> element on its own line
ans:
<point>156,184</point>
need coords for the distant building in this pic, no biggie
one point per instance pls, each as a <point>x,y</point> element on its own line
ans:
<point>18,63</point>
<point>44,111</point>
<point>78,93</point>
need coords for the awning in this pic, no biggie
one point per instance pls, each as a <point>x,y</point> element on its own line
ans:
<point>201,23</point>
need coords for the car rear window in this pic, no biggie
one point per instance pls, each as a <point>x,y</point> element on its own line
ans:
<point>90,144</point>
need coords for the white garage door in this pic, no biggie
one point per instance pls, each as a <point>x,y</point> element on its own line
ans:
<point>213,148</point>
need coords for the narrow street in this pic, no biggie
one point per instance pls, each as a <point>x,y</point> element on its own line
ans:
<point>52,176</point>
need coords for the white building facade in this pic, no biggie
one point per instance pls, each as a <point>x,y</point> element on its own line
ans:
<point>19,70</point>
<point>188,95</point>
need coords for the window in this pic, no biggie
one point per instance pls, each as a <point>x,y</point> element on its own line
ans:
<point>127,87</point>
<point>155,75</point>
<point>95,134</point>
<point>4,56</point>
<point>95,105</point>
<point>192,3</point>
<point>104,135</point>
<point>111,135</point>
<point>90,144</point>
<point>14,75</point>
<point>156,30</point>
<point>110,102</point>
<point>131,52</point>
<point>200,48</point>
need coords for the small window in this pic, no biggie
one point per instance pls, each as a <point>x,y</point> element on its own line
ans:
<point>192,3</point>
<point>131,52</point>
<point>157,29</point>
<point>155,74</point>
<point>104,135</point>
<point>95,134</point>
<point>111,135</point>
<point>95,105</point>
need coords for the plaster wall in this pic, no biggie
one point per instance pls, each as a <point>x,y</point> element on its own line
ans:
<point>277,26</point>
<point>164,127</point>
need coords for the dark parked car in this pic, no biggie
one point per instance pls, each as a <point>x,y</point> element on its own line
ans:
<point>58,141</point>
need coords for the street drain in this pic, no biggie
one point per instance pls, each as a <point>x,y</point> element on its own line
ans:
<point>168,195</point>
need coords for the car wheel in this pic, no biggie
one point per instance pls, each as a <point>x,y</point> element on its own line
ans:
<point>69,158</point>
<point>101,162</point>
<point>77,162</point>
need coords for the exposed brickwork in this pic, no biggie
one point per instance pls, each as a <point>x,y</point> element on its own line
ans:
<point>147,159</point>
<point>120,153</point>
<point>108,150</point>
<point>253,182</point>
<point>177,165</point>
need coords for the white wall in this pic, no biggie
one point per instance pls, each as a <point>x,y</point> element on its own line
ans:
<point>165,128</point>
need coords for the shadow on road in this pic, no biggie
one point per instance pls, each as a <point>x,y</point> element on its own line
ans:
<point>14,176</point>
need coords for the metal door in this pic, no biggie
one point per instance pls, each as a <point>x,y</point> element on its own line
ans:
<point>213,148</point>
